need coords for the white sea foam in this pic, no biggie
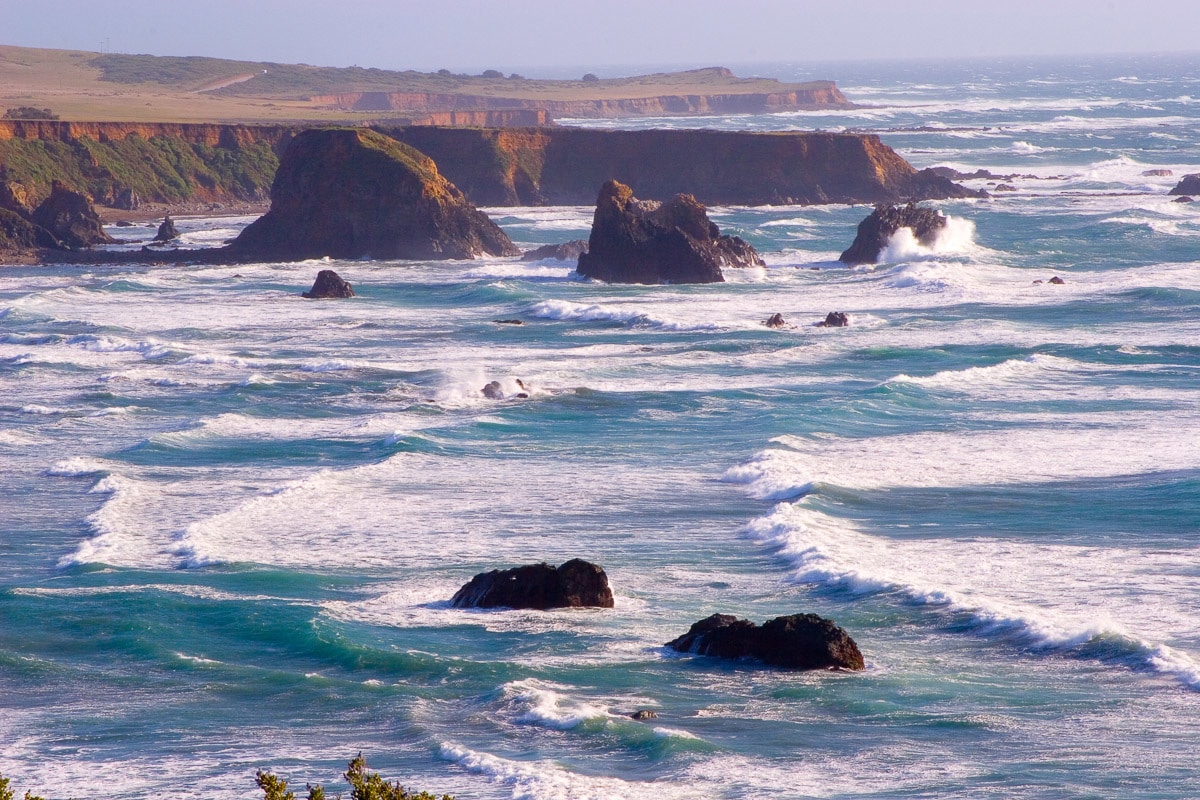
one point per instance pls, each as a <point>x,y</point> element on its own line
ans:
<point>633,314</point>
<point>957,238</point>
<point>1015,371</point>
<point>1045,596</point>
<point>546,704</point>
<point>547,780</point>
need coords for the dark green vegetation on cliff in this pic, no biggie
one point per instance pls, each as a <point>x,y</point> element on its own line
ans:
<point>353,192</point>
<point>166,168</point>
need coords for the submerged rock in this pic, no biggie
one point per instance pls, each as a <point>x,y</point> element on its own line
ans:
<point>566,251</point>
<point>1158,173</point>
<point>354,193</point>
<point>1189,184</point>
<point>166,231</point>
<point>775,321</point>
<point>69,217</point>
<point>575,584</point>
<point>329,284</point>
<point>876,230</point>
<point>644,714</point>
<point>835,319</point>
<point>798,641</point>
<point>1183,199</point>
<point>644,241</point>
<point>1056,281</point>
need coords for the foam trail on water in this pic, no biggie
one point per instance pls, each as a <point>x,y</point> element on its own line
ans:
<point>1021,601</point>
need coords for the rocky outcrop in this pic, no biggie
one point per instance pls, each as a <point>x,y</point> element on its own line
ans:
<point>19,235</point>
<point>575,584</point>
<point>644,241</point>
<point>799,641</point>
<point>1189,184</point>
<point>567,251</point>
<point>126,200</point>
<point>354,193</point>
<point>166,231</point>
<point>835,319</point>
<point>15,197</point>
<point>69,217</point>
<point>775,321</point>
<point>327,285</point>
<point>875,231</point>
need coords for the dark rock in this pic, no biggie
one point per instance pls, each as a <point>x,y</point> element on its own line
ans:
<point>1006,187</point>
<point>775,321</point>
<point>875,231</point>
<point>329,284</point>
<point>1056,280</point>
<point>566,251</point>
<point>643,714</point>
<point>1158,173</point>
<point>1189,184</point>
<point>1183,199</point>
<point>575,584</point>
<point>493,391</point>
<point>644,241</point>
<point>127,200</point>
<point>798,641</point>
<point>835,319</point>
<point>124,223</point>
<point>1038,281</point>
<point>353,193</point>
<point>509,322</point>
<point>70,218</point>
<point>929,185</point>
<point>18,234</point>
<point>166,231</point>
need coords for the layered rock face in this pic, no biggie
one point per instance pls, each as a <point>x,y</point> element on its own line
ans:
<point>644,241</point>
<point>575,584</point>
<point>875,231</point>
<point>798,641</point>
<point>353,193</point>
<point>70,218</point>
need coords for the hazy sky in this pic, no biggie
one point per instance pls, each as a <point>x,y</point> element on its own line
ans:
<point>530,34</point>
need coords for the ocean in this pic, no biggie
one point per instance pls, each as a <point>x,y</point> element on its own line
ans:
<point>232,518</point>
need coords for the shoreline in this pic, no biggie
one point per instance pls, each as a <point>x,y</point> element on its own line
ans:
<point>151,212</point>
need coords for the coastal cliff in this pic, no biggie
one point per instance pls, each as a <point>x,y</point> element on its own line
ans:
<point>174,163</point>
<point>819,94</point>
<point>564,165</point>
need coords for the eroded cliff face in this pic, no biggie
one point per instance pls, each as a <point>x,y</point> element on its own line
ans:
<point>822,94</point>
<point>173,163</point>
<point>566,166</point>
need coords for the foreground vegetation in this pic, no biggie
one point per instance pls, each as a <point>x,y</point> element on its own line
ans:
<point>364,785</point>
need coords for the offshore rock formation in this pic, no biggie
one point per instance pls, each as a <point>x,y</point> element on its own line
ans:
<point>69,217</point>
<point>166,231</point>
<point>328,284</point>
<point>644,241</point>
<point>575,584</point>
<point>353,193</point>
<point>1188,185</point>
<point>835,319</point>
<point>566,251</point>
<point>875,231</point>
<point>799,641</point>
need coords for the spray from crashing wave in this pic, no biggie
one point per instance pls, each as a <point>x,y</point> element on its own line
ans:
<point>957,238</point>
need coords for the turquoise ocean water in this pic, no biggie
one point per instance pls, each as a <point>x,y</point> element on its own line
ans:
<point>230,518</point>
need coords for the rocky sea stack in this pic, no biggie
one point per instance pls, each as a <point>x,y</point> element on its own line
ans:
<point>355,193</point>
<point>69,217</point>
<point>799,641</point>
<point>644,241</point>
<point>1189,184</point>
<point>575,584</point>
<point>875,231</point>
<point>328,285</point>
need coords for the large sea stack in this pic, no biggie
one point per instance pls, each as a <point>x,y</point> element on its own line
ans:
<point>1188,185</point>
<point>875,231</point>
<point>354,193</point>
<point>798,641</point>
<point>69,217</point>
<point>645,241</point>
<point>575,584</point>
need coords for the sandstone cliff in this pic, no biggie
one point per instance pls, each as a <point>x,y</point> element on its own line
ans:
<point>352,192</point>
